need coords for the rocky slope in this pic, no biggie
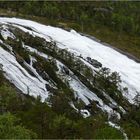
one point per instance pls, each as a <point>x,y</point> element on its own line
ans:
<point>40,60</point>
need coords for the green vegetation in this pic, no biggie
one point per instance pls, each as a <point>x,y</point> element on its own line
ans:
<point>9,128</point>
<point>121,16</point>
<point>131,123</point>
<point>29,118</point>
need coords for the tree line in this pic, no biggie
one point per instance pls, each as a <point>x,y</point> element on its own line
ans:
<point>118,15</point>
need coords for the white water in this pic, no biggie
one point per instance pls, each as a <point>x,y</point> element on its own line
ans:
<point>20,77</point>
<point>74,42</point>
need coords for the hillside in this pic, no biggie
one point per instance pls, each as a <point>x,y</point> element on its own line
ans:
<point>73,77</point>
<point>69,70</point>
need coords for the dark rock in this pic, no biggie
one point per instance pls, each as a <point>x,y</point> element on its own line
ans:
<point>94,62</point>
<point>48,87</point>
<point>44,75</point>
<point>66,70</point>
<point>97,102</point>
<point>89,59</point>
<point>89,106</point>
<point>113,118</point>
<point>86,113</point>
<point>114,107</point>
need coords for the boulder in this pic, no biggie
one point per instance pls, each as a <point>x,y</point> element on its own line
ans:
<point>94,62</point>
